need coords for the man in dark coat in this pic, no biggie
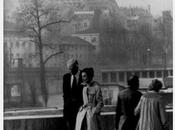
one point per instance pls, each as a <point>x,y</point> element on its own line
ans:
<point>126,103</point>
<point>72,94</point>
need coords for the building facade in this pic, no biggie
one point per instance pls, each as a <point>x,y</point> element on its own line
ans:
<point>71,47</point>
<point>91,37</point>
<point>136,16</point>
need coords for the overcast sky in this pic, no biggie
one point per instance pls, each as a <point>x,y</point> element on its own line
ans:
<point>157,6</point>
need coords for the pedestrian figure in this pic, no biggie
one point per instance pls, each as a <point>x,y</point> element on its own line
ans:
<point>89,113</point>
<point>72,94</point>
<point>126,103</point>
<point>151,109</point>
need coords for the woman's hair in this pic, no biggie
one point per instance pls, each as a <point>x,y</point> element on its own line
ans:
<point>89,72</point>
<point>155,85</point>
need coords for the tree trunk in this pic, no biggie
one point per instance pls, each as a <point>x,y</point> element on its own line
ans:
<point>43,83</point>
<point>42,72</point>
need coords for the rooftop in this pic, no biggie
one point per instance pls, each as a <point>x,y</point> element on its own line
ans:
<point>70,40</point>
<point>88,31</point>
<point>83,12</point>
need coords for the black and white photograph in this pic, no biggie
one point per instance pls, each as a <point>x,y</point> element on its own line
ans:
<point>87,64</point>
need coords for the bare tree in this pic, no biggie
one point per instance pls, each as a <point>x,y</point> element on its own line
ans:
<point>35,17</point>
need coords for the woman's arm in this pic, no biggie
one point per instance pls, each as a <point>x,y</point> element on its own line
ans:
<point>99,100</point>
<point>162,114</point>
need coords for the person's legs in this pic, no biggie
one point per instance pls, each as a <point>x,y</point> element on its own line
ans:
<point>72,123</point>
<point>72,119</point>
<point>84,124</point>
<point>68,118</point>
<point>67,124</point>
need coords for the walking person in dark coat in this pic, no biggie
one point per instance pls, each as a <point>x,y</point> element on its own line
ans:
<point>72,94</point>
<point>126,103</point>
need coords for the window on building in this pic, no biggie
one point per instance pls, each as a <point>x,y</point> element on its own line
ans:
<point>165,73</point>
<point>151,74</point>
<point>105,93</point>
<point>113,77</point>
<point>93,39</point>
<point>144,74</point>
<point>121,76</point>
<point>171,72</point>
<point>15,91</point>
<point>159,74</point>
<point>110,93</point>
<point>105,77</point>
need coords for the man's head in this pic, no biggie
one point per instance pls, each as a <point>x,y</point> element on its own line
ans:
<point>72,65</point>
<point>133,82</point>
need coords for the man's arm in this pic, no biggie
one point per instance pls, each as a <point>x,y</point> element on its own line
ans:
<point>65,89</point>
<point>118,113</point>
<point>80,91</point>
<point>138,107</point>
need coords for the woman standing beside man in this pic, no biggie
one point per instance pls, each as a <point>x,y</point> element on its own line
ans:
<point>89,114</point>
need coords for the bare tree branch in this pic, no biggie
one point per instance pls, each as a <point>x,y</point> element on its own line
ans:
<point>43,13</point>
<point>51,23</point>
<point>32,28</point>
<point>50,46</point>
<point>32,13</point>
<point>46,11</point>
<point>35,54</point>
<point>35,16</point>
<point>45,61</point>
<point>32,40</point>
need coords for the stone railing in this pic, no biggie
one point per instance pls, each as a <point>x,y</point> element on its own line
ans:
<point>52,119</point>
